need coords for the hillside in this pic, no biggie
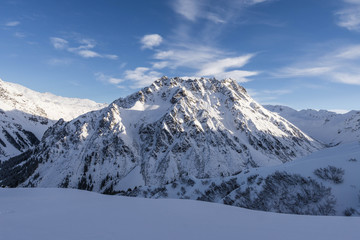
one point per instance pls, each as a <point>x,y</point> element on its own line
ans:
<point>326,182</point>
<point>59,214</point>
<point>26,114</point>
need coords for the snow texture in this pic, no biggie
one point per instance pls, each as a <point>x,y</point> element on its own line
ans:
<point>26,114</point>
<point>304,186</point>
<point>328,127</point>
<point>59,214</point>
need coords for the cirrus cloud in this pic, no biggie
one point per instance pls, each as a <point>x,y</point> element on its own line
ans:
<point>339,65</point>
<point>349,15</point>
<point>141,76</point>
<point>108,79</point>
<point>219,66</point>
<point>12,24</point>
<point>59,43</point>
<point>85,49</point>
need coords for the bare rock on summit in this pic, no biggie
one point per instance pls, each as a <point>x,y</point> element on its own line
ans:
<point>175,127</point>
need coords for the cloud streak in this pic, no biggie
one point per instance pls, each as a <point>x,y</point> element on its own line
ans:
<point>349,15</point>
<point>192,48</point>
<point>188,9</point>
<point>204,61</point>
<point>12,24</point>
<point>141,76</point>
<point>85,49</point>
<point>108,79</point>
<point>268,96</point>
<point>339,65</point>
<point>59,43</point>
<point>219,66</point>
<point>218,12</point>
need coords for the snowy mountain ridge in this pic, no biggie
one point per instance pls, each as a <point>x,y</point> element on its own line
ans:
<point>26,114</point>
<point>328,127</point>
<point>326,182</point>
<point>175,127</point>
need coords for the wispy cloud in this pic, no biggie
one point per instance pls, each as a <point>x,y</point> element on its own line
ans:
<point>141,76</point>
<point>339,65</point>
<point>238,75</point>
<point>151,40</point>
<point>160,65</point>
<point>85,48</point>
<point>189,9</point>
<point>204,61</point>
<point>108,79</point>
<point>297,71</point>
<point>219,66</point>
<point>19,35</point>
<point>349,15</point>
<point>59,43</point>
<point>218,12</point>
<point>192,48</point>
<point>135,78</point>
<point>86,53</point>
<point>268,96</point>
<point>12,24</point>
<point>59,61</point>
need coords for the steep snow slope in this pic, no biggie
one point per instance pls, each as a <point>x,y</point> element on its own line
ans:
<point>326,182</point>
<point>175,127</point>
<point>329,127</point>
<point>44,214</point>
<point>26,114</point>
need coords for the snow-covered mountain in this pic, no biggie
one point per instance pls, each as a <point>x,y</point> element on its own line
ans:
<point>26,114</point>
<point>326,182</point>
<point>328,127</point>
<point>173,128</point>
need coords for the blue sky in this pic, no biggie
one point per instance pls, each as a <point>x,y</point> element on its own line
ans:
<point>300,53</point>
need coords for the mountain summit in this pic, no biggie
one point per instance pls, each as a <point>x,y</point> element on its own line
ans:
<point>175,127</point>
<point>26,114</point>
<point>328,127</point>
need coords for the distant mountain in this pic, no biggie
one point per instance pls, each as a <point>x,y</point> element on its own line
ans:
<point>328,127</point>
<point>26,114</point>
<point>173,128</point>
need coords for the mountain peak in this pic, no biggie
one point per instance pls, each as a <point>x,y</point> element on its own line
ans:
<point>26,114</point>
<point>199,127</point>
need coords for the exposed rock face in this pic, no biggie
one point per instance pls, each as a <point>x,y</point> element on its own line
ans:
<point>173,128</point>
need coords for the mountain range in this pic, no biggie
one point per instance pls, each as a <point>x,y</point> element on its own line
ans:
<point>328,127</point>
<point>197,138</point>
<point>175,127</point>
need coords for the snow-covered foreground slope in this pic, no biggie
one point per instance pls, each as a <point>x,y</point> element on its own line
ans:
<point>326,182</point>
<point>328,127</point>
<point>175,127</point>
<point>59,214</point>
<point>26,114</point>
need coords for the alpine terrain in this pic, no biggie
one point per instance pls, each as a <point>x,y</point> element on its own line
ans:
<point>30,214</point>
<point>174,128</point>
<point>328,127</point>
<point>26,114</point>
